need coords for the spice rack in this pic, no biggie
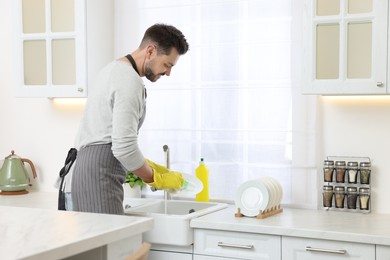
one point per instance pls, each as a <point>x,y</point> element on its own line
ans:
<point>347,184</point>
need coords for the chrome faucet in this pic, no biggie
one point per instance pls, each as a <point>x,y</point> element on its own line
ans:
<point>167,164</point>
<point>166,155</point>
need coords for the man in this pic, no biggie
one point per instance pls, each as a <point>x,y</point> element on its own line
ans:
<point>115,110</point>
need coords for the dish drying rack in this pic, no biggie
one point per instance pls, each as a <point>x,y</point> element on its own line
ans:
<point>262,213</point>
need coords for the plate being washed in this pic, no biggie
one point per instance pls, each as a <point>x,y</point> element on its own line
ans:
<point>251,197</point>
<point>192,186</point>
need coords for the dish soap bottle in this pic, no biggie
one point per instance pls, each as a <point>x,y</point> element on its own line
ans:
<point>202,173</point>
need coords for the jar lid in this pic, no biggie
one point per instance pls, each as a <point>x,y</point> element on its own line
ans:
<point>339,188</point>
<point>352,189</point>
<point>364,190</point>
<point>340,163</point>
<point>328,163</point>
<point>328,187</point>
<point>365,164</point>
<point>353,164</point>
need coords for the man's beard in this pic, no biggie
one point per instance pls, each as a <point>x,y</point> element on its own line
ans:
<point>149,74</point>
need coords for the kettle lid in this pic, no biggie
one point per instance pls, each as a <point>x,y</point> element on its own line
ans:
<point>12,155</point>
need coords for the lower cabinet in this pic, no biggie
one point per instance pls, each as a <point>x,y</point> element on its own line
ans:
<point>382,252</point>
<point>308,249</point>
<point>206,257</point>
<point>161,255</point>
<point>169,252</point>
<point>217,244</point>
<point>221,245</point>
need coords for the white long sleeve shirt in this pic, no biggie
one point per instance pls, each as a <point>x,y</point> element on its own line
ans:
<point>114,113</point>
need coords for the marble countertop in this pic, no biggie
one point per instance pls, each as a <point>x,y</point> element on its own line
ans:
<point>332,225</point>
<point>33,199</point>
<point>31,227</point>
<point>369,228</point>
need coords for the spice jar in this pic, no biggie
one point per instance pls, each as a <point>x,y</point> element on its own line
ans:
<point>340,171</point>
<point>351,197</point>
<point>339,194</point>
<point>364,198</point>
<point>327,196</point>
<point>328,170</point>
<point>365,172</point>
<point>352,172</point>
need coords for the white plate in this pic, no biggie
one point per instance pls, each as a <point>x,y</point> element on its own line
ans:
<point>272,189</point>
<point>278,190</point>
<point>194,186</point>
<point>251,197</point>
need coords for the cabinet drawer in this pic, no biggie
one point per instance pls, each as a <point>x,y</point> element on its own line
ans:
<point>161,255</point>
<point>237,245</point>
<point>382,252</point>
<point>306,249</point>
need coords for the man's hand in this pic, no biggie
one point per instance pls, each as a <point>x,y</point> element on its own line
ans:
<point>164,178</point>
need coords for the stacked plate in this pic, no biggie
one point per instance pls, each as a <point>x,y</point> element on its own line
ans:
<point>258,195</point>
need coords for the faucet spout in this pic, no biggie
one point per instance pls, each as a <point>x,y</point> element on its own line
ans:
<point>166,155</point>
<point>167,164</point>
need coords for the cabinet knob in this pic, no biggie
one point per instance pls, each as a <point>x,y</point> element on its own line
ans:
<point>379,84</point>
<point>80,90</point>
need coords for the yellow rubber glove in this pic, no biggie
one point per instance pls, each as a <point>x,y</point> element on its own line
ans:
<point>157,167</point>
<point>164,178</point>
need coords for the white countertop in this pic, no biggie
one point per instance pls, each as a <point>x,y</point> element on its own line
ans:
<point>33,199</point>
<point>343,226</point>
<point>39,232</point>
<point>93,229</point>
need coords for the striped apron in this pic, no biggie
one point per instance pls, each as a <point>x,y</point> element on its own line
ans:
<point>97,181</point>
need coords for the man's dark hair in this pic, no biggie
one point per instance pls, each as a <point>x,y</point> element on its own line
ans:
<point>165,37</point>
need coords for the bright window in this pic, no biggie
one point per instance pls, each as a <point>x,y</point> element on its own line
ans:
<point>231,99</point>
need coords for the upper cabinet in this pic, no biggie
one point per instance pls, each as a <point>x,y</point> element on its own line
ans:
<point>345,47</point>
<point>61,45</point>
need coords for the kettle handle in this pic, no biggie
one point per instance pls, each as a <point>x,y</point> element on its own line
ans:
<point>31,165</point>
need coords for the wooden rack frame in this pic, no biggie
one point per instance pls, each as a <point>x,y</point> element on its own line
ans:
<point>262,213</point>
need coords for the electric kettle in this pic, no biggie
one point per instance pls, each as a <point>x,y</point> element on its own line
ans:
<point>13,174</point>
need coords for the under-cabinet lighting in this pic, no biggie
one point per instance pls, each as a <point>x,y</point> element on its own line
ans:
<point>69,102</point>
<point>380,99</point>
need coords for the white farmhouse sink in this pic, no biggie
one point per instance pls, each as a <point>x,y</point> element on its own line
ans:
<point>131,203</point>
<point>172,227</point>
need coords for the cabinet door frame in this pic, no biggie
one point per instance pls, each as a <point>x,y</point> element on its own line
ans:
<point>297,248</point>
<point>236,245</point>
<point>382,252</point>
<point>377,84</point>
<point>79,89</point>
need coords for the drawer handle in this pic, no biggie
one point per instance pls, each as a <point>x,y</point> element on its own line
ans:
<point>324,250</point>
<point>222,244</point>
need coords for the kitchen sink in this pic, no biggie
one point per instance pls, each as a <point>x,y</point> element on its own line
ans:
<point>131,203</point>
<point>171,218</point>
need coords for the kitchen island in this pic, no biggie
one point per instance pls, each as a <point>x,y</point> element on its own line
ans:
<point>32,228</point>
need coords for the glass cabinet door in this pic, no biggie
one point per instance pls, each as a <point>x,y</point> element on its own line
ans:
<point>52,39</point>
<point>347,42</point>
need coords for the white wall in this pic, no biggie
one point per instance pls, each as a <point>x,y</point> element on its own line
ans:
<point>36,128</point>
<point>43,131</point>
<point>359,126</point>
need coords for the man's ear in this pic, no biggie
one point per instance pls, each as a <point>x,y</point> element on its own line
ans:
<point>151,50</point>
